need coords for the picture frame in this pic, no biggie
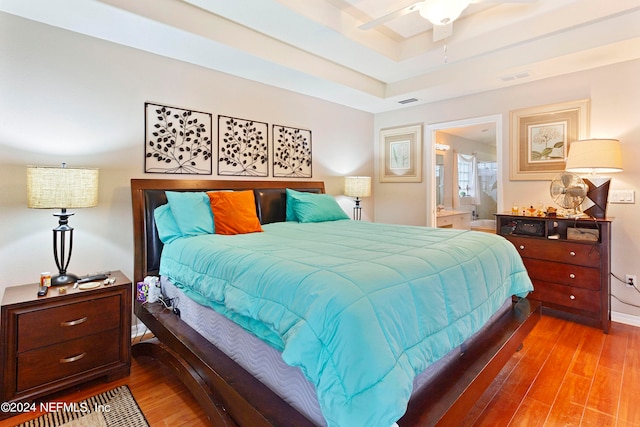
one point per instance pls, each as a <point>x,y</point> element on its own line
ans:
<point>401,154</point>
<point>243,147</point>
<point>292,154</point>
<point>177,140</point>
<point>541,137</point>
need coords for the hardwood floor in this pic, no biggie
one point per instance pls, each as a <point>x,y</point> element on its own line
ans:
<point>159,393</point>
<point>566,374</point>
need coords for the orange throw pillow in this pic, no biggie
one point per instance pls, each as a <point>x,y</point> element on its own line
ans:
<point>234,212</point>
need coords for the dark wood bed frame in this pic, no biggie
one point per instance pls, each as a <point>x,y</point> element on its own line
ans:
<point>229,395</point>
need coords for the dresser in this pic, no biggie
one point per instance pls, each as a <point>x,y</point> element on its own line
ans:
<point>64,338</point>
<point>569,262</point>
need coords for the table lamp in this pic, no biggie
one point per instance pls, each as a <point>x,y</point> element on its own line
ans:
<point>357,186</point>
<point>62,188</point>
<point>595,157</point>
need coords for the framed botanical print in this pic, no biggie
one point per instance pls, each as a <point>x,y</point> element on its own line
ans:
<point>541,137</point>
<point>177,140</point>
<point>401,154</point>
<point>243,148</point>
<point>291,152</point>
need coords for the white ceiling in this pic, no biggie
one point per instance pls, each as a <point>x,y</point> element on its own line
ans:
<point>315,47</point>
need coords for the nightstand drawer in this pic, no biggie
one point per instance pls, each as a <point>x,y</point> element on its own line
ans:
<point>40,328</point>
<point>47,364</point>
<point>567,274</point>
<point>567,296</point>
<point>559,251</point>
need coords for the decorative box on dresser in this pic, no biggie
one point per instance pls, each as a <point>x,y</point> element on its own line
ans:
<point>62,339</point>
<point>569,262</point>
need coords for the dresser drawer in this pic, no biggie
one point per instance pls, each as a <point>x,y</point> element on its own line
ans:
<point>557,250</point>
<point>40,328</point>
<point>47,364</point>
<point>567,274</point>
<point>567,296</point>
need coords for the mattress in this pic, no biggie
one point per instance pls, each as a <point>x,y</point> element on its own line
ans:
<point>265,362</point>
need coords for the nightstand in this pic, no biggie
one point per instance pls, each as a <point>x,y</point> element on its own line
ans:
<point>62,339</point>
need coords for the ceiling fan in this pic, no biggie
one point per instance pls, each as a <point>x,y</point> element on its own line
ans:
<point>441,13</point>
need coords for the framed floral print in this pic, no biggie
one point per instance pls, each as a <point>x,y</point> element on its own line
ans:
<point>401,154</point>
<point>541,137</point>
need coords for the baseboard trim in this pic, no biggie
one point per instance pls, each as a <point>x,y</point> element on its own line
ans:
<point>625,318</point>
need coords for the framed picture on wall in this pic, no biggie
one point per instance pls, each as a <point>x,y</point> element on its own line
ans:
<point>242,147</point>
<point>291,152</point>
<point>177,140</point>
<point>401,154</point>
<point>541,137</point>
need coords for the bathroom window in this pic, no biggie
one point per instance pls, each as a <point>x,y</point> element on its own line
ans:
<point>465,177</point>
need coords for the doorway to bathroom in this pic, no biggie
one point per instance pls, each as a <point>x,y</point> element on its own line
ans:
<point>467,171</point>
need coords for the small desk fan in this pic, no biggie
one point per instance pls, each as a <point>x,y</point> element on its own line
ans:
<point>568,191</point>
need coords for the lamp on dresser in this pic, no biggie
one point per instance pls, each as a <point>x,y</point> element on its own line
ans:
<point>595,157</point>
<point>357,186</point>
<point>62,188</point>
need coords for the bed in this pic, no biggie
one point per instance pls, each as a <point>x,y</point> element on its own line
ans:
<point>231,395</point>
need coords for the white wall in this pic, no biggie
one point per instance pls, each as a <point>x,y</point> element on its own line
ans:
<point>615,102</point>
<point>71,98</point>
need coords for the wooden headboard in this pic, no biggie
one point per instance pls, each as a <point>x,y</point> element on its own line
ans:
<point>148,194</point>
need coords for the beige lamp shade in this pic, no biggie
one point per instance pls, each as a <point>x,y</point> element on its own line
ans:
<point>594,156</point>
<point>61,187</point>
<point>357,186</point>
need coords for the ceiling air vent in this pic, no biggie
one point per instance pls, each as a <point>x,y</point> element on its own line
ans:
<point>515,76</point>
<point>408,101</point>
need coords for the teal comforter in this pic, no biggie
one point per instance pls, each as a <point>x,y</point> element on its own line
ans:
<point>361,308</point>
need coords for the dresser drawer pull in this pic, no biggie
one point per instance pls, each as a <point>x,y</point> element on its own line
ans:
<point>572,297</point>
<point>521,247</point>
<point>572,253</point>
<point>572,276</point>
<point>73,358</point>
<point>74,322</point>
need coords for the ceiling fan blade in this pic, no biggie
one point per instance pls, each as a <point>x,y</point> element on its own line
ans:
<point>441,32</point>
<point>391,16</point>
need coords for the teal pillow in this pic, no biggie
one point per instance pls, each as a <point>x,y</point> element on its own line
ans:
<point>311,207</point>
<point>168,229</point>
<point>191,211</point>
<point>290,214</point>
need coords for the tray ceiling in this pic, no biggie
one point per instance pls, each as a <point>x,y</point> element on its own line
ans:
<point>315,47</point>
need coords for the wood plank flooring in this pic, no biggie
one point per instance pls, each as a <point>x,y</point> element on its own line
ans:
<point>566,374</point>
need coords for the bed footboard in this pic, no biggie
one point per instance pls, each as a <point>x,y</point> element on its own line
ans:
<point>448,397</point>
<point>230,396</point>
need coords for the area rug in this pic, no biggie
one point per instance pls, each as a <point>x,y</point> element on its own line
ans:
<point>113,408</point>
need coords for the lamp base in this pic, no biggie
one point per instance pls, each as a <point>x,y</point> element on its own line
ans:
<point>64,279</point>
<point>597,193</point>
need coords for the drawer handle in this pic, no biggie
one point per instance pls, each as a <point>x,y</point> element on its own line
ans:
<point>573,276</point>
<point>73,358</point>
<point>572,253</point>
<point>74,322</point>
<point>572,297</point>
<point>522,247</point>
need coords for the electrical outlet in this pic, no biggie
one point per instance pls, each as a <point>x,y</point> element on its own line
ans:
<point>630,280</point>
